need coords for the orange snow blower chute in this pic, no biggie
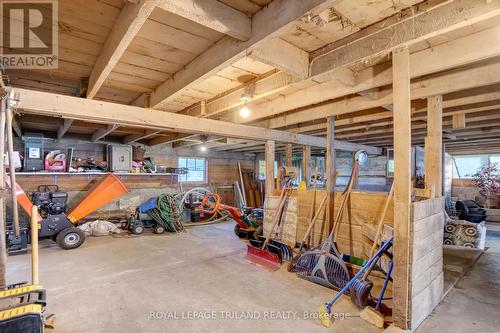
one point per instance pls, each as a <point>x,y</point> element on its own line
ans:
<point>53,221</point>
<point>245,228</point>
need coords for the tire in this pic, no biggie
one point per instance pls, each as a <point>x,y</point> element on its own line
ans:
<point>70,238</point>
<point>138,228</point>
<point>159,229</point>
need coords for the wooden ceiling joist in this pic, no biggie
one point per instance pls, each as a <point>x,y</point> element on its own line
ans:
<point>131,19</point>
<point>54,105</point>
<point>61,131</point>
<point>467,78</point>
<point>264,86</point>
<point>212,14</point>
<point>99,134</point>
<point>423,23</point>
<point>459,52</point>
<point>137,137</point>
<point>268,23</point>
<point>282,55</point>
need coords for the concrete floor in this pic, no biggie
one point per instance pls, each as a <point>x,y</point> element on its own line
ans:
<point>474,304</point>
<point>114,284</point>
<point>160,283</point>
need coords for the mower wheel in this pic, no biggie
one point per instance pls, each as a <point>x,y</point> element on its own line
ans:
<point>159,229</point>
<point>138,228</point>
<point>70,238</point>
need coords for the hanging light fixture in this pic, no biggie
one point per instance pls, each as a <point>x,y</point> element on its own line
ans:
<point>245,111</point>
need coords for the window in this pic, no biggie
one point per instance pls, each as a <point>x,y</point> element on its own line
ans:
<point>467,165</point>
<point>197,169</point>
<point>262,169</point>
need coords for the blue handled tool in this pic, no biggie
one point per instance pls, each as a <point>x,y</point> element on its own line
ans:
<point>326,309</point>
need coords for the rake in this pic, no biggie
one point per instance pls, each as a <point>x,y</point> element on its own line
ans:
<point>323,265</point>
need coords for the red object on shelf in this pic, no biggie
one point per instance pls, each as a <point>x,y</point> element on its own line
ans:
<point>55,165</point>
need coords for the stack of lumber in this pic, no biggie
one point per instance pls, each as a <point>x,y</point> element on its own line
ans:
<point>253,194</point>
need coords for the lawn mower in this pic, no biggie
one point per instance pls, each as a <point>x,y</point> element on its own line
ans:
<point>248,225</point>
<point>53,221</point>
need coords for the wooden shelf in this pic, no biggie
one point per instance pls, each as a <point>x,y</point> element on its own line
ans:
<point>90,174</point>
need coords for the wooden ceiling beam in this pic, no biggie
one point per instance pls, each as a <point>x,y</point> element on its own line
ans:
<point>266,85</point>
<point>42,103</point>
<point>212,14</point>
<point>282,55</point>
<point>459,52</point>
<point>270,22</point>
<point>132,17</point>
<point>421,23</point>
<point>470,77</point>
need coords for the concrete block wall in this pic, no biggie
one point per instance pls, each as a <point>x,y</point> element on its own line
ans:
<point>426,259</point>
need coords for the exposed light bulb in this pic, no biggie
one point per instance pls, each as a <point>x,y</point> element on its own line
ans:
<point>245,112</point>
<point>203,148</point>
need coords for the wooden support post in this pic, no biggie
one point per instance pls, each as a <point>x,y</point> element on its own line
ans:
<point>458,120</point>
<point>34,245</point>
<point>288,155</point>
<point>434,144</point>
<point>3,246</point>
<point>270,151</point>
<point>402,187</point>
<point>330,170</point>
<point>306,168</point>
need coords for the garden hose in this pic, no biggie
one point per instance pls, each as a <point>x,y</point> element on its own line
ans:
<point>166,213</point>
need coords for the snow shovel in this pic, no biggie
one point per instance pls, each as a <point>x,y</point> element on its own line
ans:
<point>265,253</point>
<point>324,265</point>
